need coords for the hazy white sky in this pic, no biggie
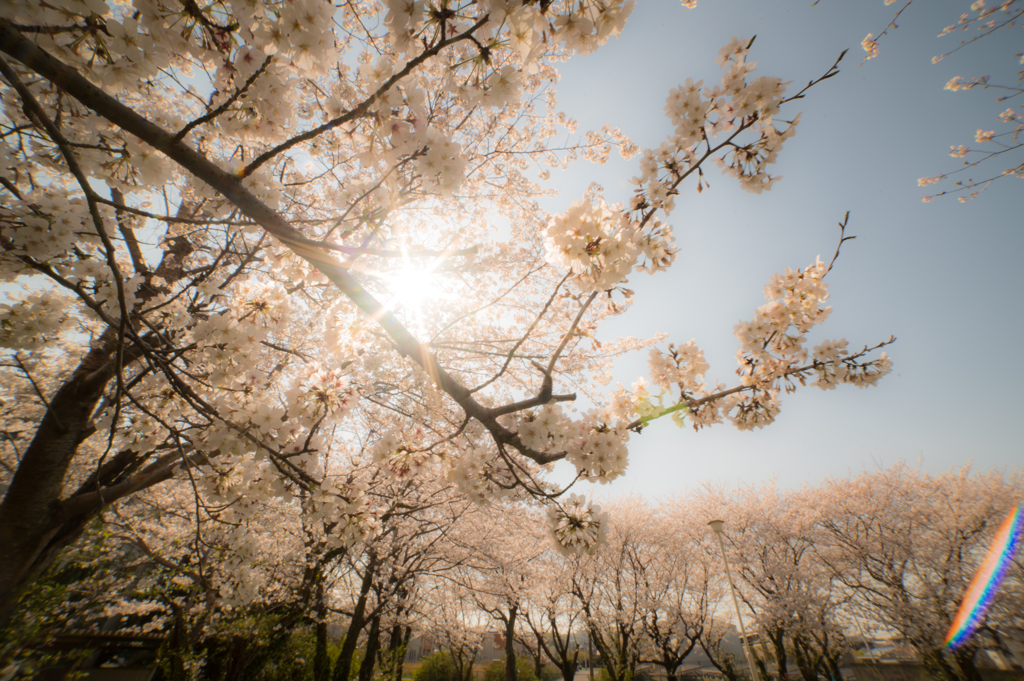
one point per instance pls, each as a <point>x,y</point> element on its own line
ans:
<point>946,278</point>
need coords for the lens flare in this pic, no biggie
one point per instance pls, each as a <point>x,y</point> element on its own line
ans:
<point>986,580</point>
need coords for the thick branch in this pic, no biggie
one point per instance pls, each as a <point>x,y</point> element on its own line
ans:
<point>230,186</point>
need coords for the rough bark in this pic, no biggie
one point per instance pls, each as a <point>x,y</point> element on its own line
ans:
<point>777,637</point>
<point>807,660</point>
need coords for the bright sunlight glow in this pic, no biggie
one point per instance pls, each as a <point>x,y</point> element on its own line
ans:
<point>411,286</point>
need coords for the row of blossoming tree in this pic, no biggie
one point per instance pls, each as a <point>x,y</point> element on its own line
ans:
<point>886,551</point>
<point>889,551</point>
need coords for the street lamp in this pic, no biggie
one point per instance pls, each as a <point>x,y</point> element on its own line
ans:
<point>716,525</point>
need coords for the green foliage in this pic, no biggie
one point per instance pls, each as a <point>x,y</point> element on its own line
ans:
<point>67,594</point>
<point>495,671</point>
<point>357,662</point>
<point>605,675</point>
<point>436,667</point>
<point>549,673</point>
<point>294,660</point>
<point>257,644</point>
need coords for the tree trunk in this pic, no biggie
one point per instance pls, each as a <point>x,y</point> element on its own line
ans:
<point>29,510</point>
<point>964,659</point>
<point>537,653</point>
<point>400,662</point>
<point>468,676</point>
<point>388,658</point>
<point>778,639</point>
<point>321,661</point>
<point>762,669</point>
<point>343,665</point>
<point>832,661</point>
<point>235,667</point>
<point>804,658</point>
<point>568,670</point>
<point>510,643</point>
<point>721,660</point>
<point>170,657</point>
<point>35,524</point>
<point>372,646</point>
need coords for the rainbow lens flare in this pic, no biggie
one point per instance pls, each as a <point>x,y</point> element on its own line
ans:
<point>986,580</point>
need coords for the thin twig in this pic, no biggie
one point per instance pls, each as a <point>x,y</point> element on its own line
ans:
<point>35,386</point>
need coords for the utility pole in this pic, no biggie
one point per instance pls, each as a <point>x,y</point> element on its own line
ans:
<point>716,525</point>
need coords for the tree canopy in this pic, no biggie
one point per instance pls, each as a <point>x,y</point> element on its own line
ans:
<point>284,253</point>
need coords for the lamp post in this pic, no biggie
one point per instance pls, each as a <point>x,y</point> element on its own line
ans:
<point>716,525</point>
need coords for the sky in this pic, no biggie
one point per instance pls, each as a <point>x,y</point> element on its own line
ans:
<point>944,277</point>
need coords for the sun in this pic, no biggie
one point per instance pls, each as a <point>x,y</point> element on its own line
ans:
<point>411,286</point>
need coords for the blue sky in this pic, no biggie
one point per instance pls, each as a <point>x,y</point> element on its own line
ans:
<point>943,277</point>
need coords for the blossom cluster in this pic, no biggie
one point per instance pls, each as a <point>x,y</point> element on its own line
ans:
<point>683,366</point>
<point>772,347</point>
<point>441,164</point>
<point>592,444</point>
<point>323,393</point>
<point>397,453</point>
<point>344,511</point>
<point>45,226</point>
<point>404,19</point>
<point>701,114</point>
<point>599,451</point>
<point>35,321</point>
<point>772,342</point>
<point>483,475</point>
<point>600,245</point>
<point>577,526</point>
<point>302,33</point>
<point>772,354</point>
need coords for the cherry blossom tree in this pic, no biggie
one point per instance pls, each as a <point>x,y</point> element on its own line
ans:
<point>907,544</point>
<point>552,614</point>
<point>261,251</point>
<point>451,616</point>
<point>713,641</point>
<point>497,567</point>
<point>797,597</point>
<point>684,586</point>
<point>609,586</point>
